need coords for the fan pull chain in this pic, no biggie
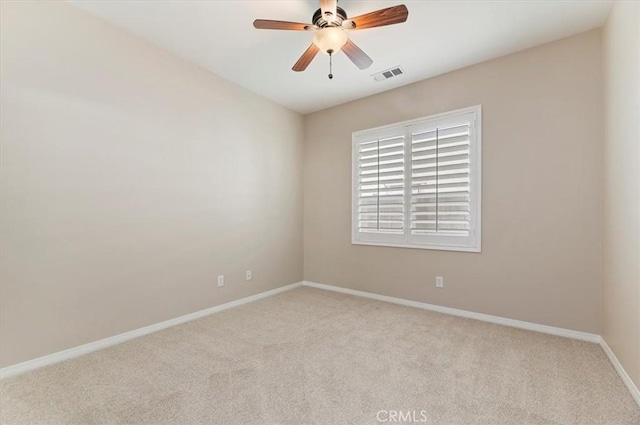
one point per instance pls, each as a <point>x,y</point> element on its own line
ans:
<point>330,64</point>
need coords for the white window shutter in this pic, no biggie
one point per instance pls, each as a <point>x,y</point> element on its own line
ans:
<point>379,185</point>
<point>440,178</point>
<point>417,184</point>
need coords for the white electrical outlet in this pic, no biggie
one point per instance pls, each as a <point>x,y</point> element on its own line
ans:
<point>220,280</point>
<point>248,275</point>
<point>439,282</point>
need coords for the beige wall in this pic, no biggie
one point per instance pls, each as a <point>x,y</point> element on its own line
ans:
<point>120,205</point>
<point>130,180</point>
<point>541,257</point>
<point>621,286</point>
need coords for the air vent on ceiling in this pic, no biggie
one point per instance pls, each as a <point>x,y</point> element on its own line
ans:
<point>389,73</point>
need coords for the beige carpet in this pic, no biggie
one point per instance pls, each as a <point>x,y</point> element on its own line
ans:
<point>311,356</point>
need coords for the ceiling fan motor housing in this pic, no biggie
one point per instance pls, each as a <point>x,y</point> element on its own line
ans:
<point>320,21</point>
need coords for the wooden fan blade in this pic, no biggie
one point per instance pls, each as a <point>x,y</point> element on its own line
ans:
<point>328,6</point>
<point>306,58</point>
<point>380,18</point>
<point>357,56</point>
<point>265,24</point>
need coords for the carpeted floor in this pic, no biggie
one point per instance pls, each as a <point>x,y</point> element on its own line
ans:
<point>309,356</point>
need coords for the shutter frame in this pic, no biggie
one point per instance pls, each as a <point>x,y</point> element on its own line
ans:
<point>458,179</point>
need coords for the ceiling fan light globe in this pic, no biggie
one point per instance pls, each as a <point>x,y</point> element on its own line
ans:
<point>331,38</point>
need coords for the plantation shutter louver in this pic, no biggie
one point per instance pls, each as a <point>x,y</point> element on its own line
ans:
<point>380,186</point>
<point>440,171</point>
<point>417,184</point>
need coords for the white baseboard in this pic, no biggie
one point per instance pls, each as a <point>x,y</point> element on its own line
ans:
<point>568,333</point>
<point>623,373</point>
<point>117,339</point>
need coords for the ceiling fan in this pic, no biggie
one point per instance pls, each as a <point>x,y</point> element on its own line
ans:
<point>330,24</point>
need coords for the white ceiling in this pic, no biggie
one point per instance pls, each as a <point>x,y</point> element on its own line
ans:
<point>438,37</point>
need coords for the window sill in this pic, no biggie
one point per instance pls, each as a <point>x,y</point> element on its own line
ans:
<point>417,246</point>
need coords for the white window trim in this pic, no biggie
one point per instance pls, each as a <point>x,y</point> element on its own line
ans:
<point>475,192</point>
